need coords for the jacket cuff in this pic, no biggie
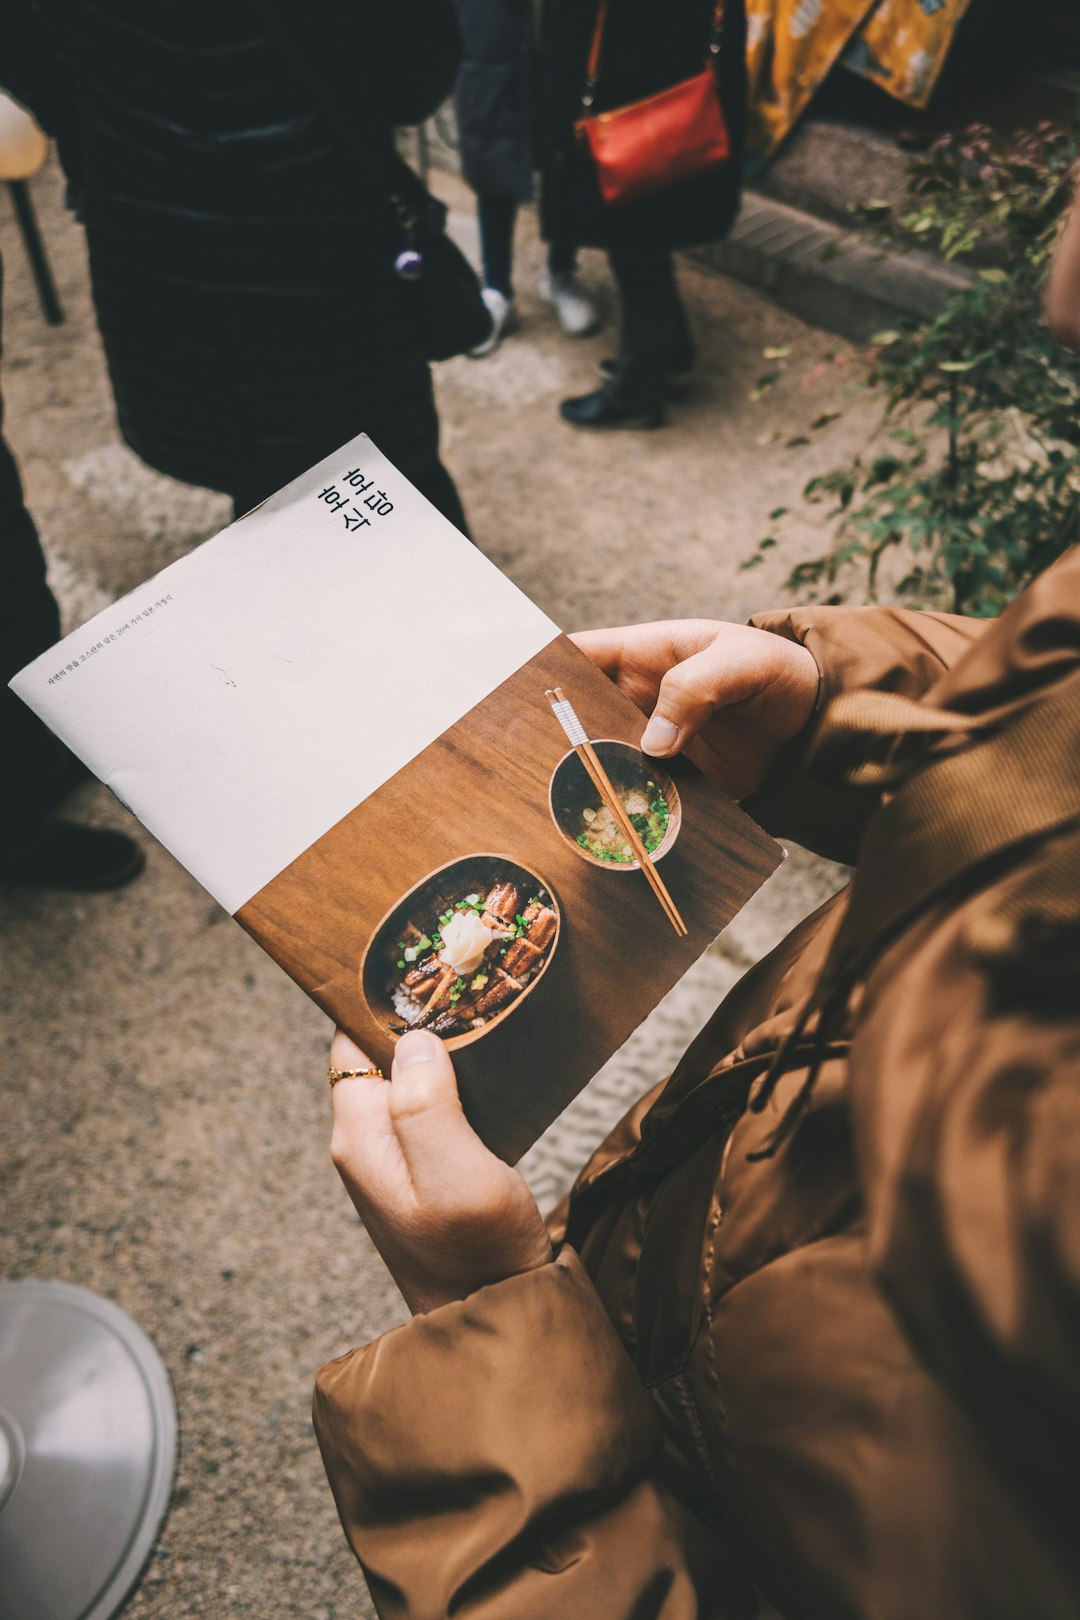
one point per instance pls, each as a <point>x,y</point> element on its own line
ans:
<point>519,1400</point>
<point>881,649</point>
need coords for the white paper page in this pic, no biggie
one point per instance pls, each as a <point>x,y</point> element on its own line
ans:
<point>246,698</point>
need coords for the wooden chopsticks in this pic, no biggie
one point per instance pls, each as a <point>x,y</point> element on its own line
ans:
<point>578,737</point>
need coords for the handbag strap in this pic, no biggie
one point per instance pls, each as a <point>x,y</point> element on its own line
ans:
<point>592,67</point>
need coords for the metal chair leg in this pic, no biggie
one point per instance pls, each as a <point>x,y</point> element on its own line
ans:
<point>35,252</point>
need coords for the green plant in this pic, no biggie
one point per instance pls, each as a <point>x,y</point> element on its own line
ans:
<point>973,472</point>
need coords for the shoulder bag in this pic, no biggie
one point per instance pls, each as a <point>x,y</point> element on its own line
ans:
<point>653,144</point>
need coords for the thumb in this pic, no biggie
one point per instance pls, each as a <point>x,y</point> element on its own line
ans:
<point>688,695</point>
<point>426,1112</point>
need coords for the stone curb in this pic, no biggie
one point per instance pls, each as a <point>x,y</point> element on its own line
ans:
<point>826,275</point>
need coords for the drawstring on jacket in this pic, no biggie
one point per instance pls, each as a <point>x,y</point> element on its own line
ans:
<point>830,1010</point>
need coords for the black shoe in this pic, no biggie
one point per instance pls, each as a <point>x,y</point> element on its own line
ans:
<point>70,856</point>
<point>603,408</point>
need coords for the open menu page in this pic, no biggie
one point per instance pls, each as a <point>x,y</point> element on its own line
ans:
<point>337,715</point>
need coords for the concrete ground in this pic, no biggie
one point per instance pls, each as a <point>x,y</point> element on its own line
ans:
<point>164,1122</point>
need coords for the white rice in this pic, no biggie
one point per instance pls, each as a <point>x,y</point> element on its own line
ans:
<point>407,1009</point>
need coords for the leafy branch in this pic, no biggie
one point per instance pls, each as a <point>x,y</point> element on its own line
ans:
<point>972,475</point>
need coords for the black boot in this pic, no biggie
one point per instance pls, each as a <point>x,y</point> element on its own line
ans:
<point>67,855</point>
<point>608,407</point>
<point>681,350</point>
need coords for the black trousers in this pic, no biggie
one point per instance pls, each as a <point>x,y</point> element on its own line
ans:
<point>410,437</point>
<point>29,623</point>
<point>654,334</point>
<point>497,217</point>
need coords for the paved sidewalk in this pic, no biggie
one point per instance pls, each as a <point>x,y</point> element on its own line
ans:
<point>163,1131</point>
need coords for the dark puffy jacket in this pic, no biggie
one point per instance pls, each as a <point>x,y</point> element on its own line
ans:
<point>492,99</point>
<point>648,45</point>
<point>242,267</point>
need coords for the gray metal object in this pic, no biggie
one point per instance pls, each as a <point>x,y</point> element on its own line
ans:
<point>87,1450</point>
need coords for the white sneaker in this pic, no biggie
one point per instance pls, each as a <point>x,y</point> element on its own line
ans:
<point>578,315</point>
<point>504,318</point>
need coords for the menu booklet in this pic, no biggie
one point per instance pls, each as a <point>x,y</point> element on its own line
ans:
<point>336,715</point>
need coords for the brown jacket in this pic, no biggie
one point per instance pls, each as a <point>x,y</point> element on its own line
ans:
<point>845,1375</point>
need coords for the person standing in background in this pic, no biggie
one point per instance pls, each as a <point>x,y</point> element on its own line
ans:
<point>37,847</point>
<point>494,108</point>
<point>646,48</point>
<point>242,267</point>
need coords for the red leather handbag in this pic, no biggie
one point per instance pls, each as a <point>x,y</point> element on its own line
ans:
<point>665,138</point>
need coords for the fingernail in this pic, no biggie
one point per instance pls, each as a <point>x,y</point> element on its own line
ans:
<point>419,1046</point>
<point>660,736</point>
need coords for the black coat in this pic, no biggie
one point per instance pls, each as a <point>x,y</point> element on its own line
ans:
<point>242,268</point>
<point>492,99</point>
<point>648,45</point>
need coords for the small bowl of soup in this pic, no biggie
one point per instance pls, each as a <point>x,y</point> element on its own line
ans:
<point>646,792</point>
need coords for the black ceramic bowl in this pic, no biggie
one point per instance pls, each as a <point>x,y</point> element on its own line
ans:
<point>422,905</point>
<point>572,792</point>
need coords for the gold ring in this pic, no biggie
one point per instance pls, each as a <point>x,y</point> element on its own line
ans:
<point>334,1075</point>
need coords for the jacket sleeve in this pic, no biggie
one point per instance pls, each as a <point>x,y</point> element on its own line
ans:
<point>494,1460</point>
<point>885,649</point>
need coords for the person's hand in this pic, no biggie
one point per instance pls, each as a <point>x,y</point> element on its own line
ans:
<point>446,1215</point>
<point>735,694</point>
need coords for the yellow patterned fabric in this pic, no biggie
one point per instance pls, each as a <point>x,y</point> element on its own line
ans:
<point>899,45</point>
